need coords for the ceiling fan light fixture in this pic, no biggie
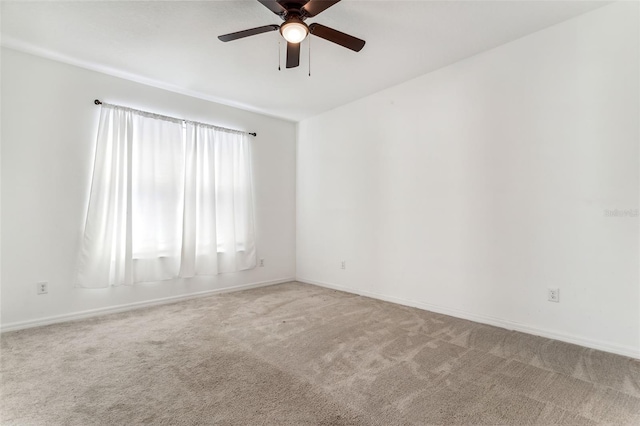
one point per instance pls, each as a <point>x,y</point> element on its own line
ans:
<point>294,30</point>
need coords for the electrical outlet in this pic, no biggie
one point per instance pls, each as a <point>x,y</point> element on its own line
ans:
<point>261,263</point>
<point>42,287</point>
<point>553,294</point>
<point>343,264</point>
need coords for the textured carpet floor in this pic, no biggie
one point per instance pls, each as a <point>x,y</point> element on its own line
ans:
<point>304,355</point>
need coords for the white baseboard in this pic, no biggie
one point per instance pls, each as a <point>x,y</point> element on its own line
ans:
<point>484,319</point>
<point>19,325</point>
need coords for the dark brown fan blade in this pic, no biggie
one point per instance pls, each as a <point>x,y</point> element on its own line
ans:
<point>293,55</point>
<point>247,33</point>
<point>314,7</point>
<point>337,37</point>
<point>274,6</point>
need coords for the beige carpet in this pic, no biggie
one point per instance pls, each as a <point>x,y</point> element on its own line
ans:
<point>296,354</point>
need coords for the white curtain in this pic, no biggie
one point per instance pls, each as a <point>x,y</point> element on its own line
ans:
<point>166,201</point>
<point>218,230</point>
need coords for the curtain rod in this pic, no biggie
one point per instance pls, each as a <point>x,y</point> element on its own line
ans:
<point>99,102</point>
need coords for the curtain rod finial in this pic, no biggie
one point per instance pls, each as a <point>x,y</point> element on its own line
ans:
<point>253,134</point>
<point>97,102</point>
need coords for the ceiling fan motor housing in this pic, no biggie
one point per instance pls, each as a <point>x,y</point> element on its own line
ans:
<point>293,8</point>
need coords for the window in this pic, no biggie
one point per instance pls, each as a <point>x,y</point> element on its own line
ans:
<point>168,199</point>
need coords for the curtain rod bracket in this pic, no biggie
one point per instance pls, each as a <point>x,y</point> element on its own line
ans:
<point>99,102</point>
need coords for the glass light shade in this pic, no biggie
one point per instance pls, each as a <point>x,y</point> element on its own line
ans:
<point>294,32</point>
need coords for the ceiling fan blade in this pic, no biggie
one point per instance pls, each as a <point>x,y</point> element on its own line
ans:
<point>293,55</point>
<point>247,33</point>
<point>274,6</point>
<point>314,7</point>
<point>337,37</point>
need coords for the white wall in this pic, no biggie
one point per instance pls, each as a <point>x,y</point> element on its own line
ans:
<point>49,125</point>
<point>472,189</point>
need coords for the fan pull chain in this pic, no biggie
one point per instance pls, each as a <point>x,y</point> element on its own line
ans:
<point>309,55</point>
<point>279,54</point>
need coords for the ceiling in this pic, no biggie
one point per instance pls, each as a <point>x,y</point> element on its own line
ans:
<point>174,45</point>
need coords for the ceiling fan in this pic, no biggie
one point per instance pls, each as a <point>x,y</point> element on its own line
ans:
<point>294,30</point>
